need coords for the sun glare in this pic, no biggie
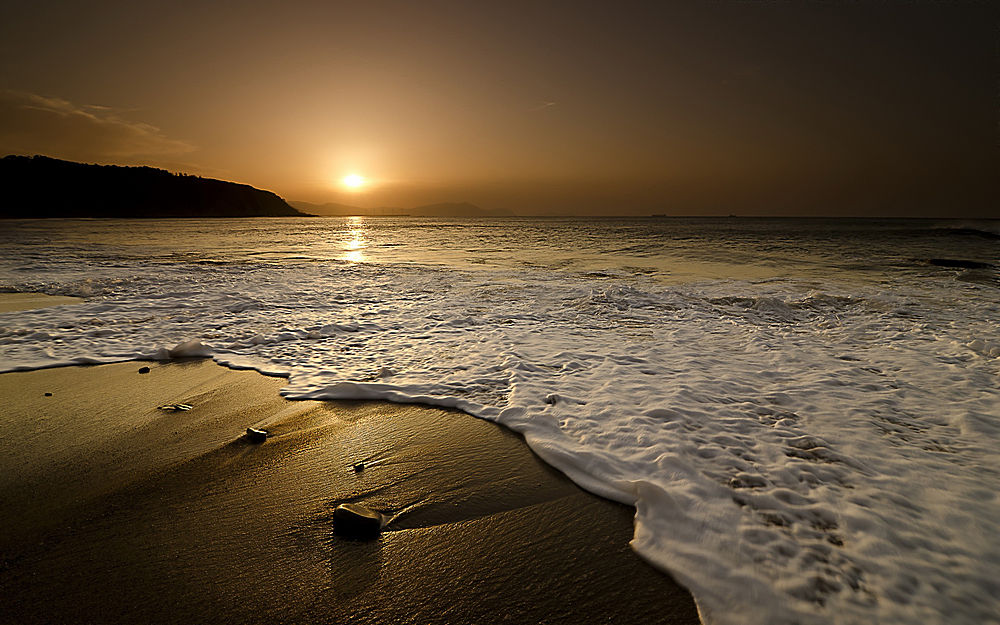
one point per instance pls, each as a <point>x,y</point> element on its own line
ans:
<point>353,181</point>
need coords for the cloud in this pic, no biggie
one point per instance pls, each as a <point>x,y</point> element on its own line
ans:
<point>34,124</point>
<point>543,105</point>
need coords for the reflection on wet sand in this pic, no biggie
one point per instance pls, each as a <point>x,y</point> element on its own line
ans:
<point>196,524</point>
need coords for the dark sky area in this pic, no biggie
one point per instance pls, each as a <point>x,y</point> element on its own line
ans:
<point>853,108</point>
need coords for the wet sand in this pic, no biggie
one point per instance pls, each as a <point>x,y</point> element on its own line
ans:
<point>10,302</point>
<point>117,512</point>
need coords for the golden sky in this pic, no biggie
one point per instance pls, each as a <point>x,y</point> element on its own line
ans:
<point>542,107</point>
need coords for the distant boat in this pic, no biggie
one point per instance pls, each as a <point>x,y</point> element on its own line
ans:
<point>658,215</point>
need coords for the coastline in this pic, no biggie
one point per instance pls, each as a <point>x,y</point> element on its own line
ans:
<point>177,518</point>
<point>637,382</point>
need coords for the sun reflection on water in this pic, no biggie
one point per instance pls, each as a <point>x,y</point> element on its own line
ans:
<point>357,243</point>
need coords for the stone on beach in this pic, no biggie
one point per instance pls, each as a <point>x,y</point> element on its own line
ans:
<point>143,369</point>
<point>356,521</point>
<point>175,407</point>
<point>256,436</point>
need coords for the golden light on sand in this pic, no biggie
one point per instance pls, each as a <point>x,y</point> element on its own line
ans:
<point>353,182</point>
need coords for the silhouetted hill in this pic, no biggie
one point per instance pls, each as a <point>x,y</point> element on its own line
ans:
<point>39,186</point>
<point>447,209</point>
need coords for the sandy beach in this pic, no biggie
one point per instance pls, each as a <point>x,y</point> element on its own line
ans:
<point>10,302</point>
<point>116,511</point>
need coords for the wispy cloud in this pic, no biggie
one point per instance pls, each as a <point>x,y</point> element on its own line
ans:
<point>544,105</point>
<point>35,124</point>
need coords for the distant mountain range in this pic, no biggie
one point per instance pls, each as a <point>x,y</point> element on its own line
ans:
<point>39,186</point>
<point>446,209</point>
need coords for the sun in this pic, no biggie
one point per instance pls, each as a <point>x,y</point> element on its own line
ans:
<point>353,181</point>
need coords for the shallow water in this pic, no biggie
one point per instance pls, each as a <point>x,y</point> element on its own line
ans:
<point>804,412</point>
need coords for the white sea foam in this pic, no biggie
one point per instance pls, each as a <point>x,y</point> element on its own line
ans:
<point>799,450</point>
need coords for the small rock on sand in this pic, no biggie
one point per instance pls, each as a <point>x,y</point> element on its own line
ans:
<point>143,369</point>
<point>256,436</point>
<point>356,521</point>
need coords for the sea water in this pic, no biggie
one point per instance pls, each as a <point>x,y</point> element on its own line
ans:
<point>805,413</point>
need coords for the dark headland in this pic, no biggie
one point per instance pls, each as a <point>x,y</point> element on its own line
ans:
<point>39,186</point>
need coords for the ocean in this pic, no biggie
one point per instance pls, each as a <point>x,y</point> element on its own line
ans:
<point>805,412</point>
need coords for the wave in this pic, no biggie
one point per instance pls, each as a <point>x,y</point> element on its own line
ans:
<point>797,451</point>
<point>967,232</point>
<point>959,263</point>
